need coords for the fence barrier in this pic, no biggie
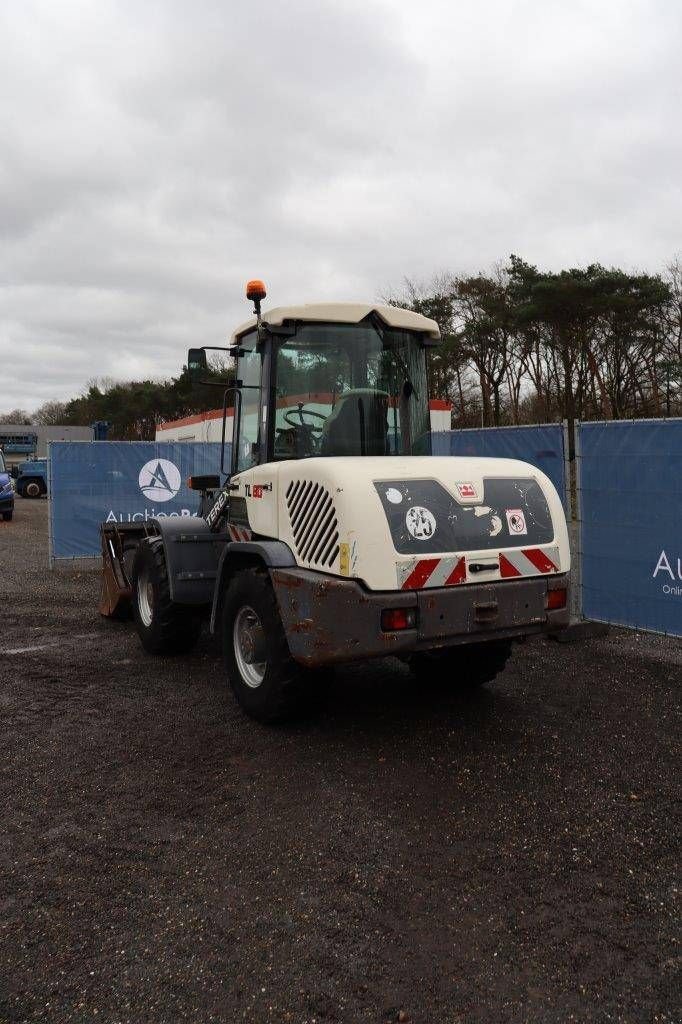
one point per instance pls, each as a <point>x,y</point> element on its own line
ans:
<point>627,562</point>
<point>93,482</point>
<point>629,488</point>
<point>542,445</point>
<point>123,481</point>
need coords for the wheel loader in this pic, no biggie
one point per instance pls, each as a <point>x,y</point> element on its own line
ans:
<point>334,535</point>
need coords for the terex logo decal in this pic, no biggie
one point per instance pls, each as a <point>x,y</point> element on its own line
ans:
<point>159,480</point>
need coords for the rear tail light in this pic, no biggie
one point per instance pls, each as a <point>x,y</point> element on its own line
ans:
<point>393,619</point>
<point>556,599</point>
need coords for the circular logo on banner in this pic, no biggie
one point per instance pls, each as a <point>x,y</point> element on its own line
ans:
<point>420,522</point>
<point>159,480</point>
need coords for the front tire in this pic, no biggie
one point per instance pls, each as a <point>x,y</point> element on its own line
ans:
<point>162,626</point>
<point>32,489</point>
<point>268,684</point>
<point>466,667</point>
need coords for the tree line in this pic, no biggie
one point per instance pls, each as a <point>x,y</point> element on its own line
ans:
<point>133,409</point>
<point>519,345</point>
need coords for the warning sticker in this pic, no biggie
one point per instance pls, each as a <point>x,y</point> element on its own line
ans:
<point>256,490</point>
<point>516,521</point>
<point>466,490</point>
<point>420,522</point>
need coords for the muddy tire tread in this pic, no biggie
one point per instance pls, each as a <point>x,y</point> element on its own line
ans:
<point>176,629</point>
<point>288,690</point>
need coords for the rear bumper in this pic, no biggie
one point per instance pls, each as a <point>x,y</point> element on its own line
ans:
<point>328,619</point>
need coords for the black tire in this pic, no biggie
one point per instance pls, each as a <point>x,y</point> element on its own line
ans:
<point>162,626</point>
<point>7,516</point>
<point>285,688</point>
<point>466,667</point>
<point>128,552</point>
<point>32,489</point>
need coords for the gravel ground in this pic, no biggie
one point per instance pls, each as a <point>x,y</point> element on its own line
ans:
<point>408,854</point>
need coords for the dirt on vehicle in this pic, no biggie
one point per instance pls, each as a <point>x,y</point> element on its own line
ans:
<point>409,852</point>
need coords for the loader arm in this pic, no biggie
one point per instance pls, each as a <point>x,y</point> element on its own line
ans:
<point>119,543</point>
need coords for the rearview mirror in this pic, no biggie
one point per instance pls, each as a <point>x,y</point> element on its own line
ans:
<point>196,362</point>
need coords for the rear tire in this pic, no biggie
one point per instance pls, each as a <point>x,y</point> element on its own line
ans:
<point>162,626</point>
<point>467,666</point>
<point>268,684</point>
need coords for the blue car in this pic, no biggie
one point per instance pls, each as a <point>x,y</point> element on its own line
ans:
<point>6,491</point>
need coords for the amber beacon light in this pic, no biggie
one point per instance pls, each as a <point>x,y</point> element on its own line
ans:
<point>255,291</point>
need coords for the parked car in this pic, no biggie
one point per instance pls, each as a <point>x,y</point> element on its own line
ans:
<point>31,478</point>
<point>6,491</point>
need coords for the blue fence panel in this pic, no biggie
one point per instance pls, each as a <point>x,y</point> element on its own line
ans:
<point>541,446</point>
<point>92,482</point>
<point>630,493</point>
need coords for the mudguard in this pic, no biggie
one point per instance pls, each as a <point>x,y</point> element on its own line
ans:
<point>274,554</point>
<point>192,556</point>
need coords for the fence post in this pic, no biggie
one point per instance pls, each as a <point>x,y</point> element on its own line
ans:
<point>50,555</point>
<point>568,491</point>
<point>577,574</point>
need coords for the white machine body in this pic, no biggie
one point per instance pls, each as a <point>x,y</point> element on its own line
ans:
<point>404,523</point>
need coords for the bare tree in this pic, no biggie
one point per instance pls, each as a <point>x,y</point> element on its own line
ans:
<point>15,416</point>
<point>50,413</point>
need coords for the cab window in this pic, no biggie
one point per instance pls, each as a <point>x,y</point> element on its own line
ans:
<point>248,430</point>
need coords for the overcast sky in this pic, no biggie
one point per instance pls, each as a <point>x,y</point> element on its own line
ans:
<point>153,156</point>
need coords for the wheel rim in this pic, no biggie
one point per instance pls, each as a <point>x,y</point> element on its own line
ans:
<point>247,635</point>
<point>145,597</point>
<point>33,490</point>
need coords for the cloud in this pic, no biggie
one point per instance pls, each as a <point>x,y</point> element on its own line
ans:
<point>153,157</point>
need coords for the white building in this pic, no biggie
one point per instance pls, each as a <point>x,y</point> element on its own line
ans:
<point>20,441</point>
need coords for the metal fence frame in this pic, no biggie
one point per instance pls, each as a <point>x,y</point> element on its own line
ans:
<point>576,531</point>
<point>50,556</point>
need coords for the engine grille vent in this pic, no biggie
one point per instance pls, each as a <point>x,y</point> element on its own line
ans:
<point>313,522</point>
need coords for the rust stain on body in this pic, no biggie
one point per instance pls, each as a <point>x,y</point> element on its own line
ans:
<point>302,626</point>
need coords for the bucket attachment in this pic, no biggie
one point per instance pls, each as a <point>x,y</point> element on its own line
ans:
<point>119,543</point>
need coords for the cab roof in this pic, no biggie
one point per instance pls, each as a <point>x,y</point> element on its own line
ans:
<point>346,313</point>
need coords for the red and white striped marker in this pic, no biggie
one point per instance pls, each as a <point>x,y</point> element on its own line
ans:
<point>238,532</point>
<point>528,562</point>
<point>422,573</point>
<point>419,573</point>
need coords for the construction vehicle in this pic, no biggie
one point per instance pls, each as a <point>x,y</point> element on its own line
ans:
<point>31,478</point>
<point>334,535</point>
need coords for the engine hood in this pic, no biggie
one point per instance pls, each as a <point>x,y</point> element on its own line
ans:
<point>409,523</point>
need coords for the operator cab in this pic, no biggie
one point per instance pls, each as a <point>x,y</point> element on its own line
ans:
<point>338,379</point>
